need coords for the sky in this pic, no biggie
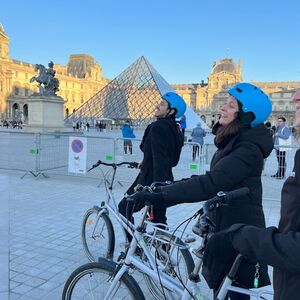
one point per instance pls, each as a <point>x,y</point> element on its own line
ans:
<point>181,39</point>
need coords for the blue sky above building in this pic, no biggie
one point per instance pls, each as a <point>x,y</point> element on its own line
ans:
<point>180,39</point>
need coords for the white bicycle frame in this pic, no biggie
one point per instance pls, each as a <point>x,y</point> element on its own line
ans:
<point>155,270</point>
<point>110,206</point>
<point>170,285</point>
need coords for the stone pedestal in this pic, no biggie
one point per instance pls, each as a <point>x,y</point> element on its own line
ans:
<point>45,113</point>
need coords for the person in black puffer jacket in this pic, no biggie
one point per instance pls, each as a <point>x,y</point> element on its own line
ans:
<point>161,144</point>
<point>243,143</point>
<point>280,247</point>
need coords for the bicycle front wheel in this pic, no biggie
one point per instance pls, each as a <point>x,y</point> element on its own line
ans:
<point>92,281</point>
<point>97,234</point>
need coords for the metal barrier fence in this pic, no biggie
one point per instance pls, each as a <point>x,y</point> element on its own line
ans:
<point>280,162</point>
<point>48,154</point>
<point>185,168</point>
<point>54,154</point>
<point>190,164</point>
<point>18,151</point>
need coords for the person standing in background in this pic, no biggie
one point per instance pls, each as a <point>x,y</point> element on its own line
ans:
<point>183,125</point>
<point>282,133</point>
<point>213,120</point>
<point>197,135</point>
<point>127,133</point>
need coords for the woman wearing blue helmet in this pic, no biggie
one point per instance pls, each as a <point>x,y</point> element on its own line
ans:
<point>242,143</point>
<point>161,146</point>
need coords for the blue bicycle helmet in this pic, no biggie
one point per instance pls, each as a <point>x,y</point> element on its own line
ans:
<point>254,100</point>
<point>176,102</point>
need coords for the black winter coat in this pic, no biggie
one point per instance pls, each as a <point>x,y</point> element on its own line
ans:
<point>161,145</point>
<point>237,163</point>
<point>278,248</point>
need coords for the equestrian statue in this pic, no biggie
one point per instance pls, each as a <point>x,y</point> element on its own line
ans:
<point>48,84</point>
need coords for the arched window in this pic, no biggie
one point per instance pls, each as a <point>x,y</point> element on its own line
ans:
<point>25,111</point>
<point>67,112</point>
<point>16,91</point>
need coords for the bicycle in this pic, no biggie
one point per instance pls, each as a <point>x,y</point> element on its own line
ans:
<point>118,273</point>
<point>98,234</point>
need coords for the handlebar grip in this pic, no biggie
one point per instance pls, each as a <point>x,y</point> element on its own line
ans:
<point>224,197</point>
<point>98,163</point>
<point>236,194</point>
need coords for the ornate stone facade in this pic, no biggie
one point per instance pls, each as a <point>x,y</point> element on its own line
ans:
<point>207,98</point>
<point>82,78</point>
<point>79,80</point>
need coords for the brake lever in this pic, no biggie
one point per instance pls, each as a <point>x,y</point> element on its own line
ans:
<point>134,165</point>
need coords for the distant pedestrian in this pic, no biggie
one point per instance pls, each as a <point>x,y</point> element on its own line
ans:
<point>282,134</point>
<point>74,125</point>
<point>197,135</point>
<point>127,133</point>
<point>183,125</point>
<point>268,125</point>
<point>213,120</point>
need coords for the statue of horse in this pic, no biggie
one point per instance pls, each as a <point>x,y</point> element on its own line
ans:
<point>48,85</point>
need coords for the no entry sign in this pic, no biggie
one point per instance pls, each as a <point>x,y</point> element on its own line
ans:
<point>77,155</point>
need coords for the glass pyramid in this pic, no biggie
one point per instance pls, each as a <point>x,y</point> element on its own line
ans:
<point>132,95</point>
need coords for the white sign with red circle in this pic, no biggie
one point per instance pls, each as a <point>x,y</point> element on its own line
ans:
<point>77,155</point>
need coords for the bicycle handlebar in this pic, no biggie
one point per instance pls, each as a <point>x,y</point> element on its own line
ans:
<point>130,164</point>
<point>224,197</point>
<point>204,225</point>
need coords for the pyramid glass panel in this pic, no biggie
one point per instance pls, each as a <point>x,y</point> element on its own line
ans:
<point>132,95</point>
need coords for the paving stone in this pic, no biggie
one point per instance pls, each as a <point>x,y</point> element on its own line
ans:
<point>14,296</point>
<point>35,282</point>
<point>13,284</point>
<point>22,289</point>
<point>38,293</point>
<point>46,275</point>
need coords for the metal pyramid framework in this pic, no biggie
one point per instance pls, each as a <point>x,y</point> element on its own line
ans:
<point>132,95</point>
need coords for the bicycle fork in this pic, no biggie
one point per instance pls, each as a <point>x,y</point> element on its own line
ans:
<point>115,282</point>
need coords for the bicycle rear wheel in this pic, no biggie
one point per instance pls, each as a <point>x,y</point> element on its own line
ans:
<point>97,234</point>
<point>92,281</point>
<point>178,262</point>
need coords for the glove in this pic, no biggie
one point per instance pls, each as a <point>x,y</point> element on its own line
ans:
<point>218,258</point>
<point>139,199</point>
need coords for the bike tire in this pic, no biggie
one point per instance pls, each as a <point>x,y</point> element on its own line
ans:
<point>83,283</point>
<point>186,267</point>
<point>100,241</point>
